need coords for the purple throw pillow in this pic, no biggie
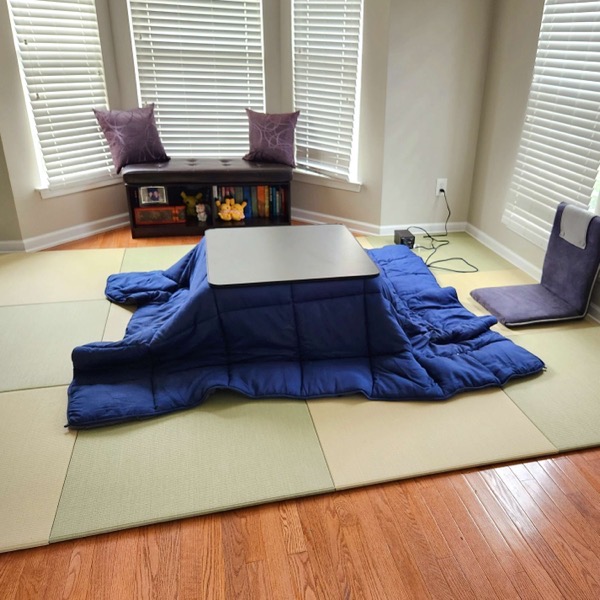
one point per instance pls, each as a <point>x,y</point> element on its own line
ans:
<point>132,136</point>
<point>272,137</point>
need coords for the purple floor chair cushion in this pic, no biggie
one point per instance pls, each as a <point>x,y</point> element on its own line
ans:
<point>568,276</point>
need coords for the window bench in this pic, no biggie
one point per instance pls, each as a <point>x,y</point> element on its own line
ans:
<point>182,196</point>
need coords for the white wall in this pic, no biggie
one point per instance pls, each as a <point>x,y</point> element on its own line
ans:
<point>436,75</point>
<point>512,56</point>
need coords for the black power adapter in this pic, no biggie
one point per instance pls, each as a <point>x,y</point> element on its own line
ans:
<point>404,237</point>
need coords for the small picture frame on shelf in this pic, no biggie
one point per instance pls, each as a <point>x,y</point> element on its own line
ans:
<point>153,195</point>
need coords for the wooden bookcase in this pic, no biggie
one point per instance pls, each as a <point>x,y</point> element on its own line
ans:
<point>157,194</point>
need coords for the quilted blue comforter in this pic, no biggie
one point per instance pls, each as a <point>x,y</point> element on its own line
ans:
<point>398,336</point>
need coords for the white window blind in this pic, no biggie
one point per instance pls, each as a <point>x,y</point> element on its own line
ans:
<point>326,54</point>
<point>201,63</point>
<point>559,153</point>
<point>59,53</point>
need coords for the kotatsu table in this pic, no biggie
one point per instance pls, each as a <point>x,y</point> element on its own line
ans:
<point>287,312</point>
<point>260,255</point>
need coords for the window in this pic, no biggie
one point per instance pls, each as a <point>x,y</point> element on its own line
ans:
<point>61,65</point>
<point>559,153</point>
<point>201,63</point>
<point>326,55</point>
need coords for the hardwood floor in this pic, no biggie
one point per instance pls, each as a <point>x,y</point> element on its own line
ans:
<point>520,530</point>
<point>121,238</point>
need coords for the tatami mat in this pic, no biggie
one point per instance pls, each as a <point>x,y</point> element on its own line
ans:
<point>36,341</point>
<point>367,441</point>
<point>56,276</point>
<point>232,451</point>
<point>228,453</point>
<point>564,402</point>
<point>35,453</point>
<point>118,318</point>
<point>461,245</point>
<point>152,258</point>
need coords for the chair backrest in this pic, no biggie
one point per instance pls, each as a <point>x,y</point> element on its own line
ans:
<point>570,272</point>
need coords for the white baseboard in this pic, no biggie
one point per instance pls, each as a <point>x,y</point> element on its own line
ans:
<point>8,246</point>
<point>504,252</point>
<point>360,227</point>
<point>430,228</point>
<point>314,218</point>
<point>62,236</point>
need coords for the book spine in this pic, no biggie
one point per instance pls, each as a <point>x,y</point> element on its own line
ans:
<point>254,200</point>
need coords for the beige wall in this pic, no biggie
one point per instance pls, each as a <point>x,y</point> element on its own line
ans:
<point>436,75</point>
<point>512,55</point>
<point>9,222</point>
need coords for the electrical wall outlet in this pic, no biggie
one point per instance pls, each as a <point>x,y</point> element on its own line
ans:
<point>441,184</point>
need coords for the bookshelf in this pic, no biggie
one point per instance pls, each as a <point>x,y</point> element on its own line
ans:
<point>181,197</point>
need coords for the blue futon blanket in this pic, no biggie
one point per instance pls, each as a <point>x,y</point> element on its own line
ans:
<point>398,336</point>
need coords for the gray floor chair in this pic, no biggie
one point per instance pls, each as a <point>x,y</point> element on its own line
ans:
<point>570,269</point>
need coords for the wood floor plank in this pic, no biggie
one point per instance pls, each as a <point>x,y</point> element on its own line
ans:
<point>292,527</point>
<point>558,540</point>
<point>321,528</point>
<point>307,586</point>
<point>11,567</point>
<point>130,579</point>
<point>492,567</point>
<point>201,560</point>
<point>461,552</point>
<point>528,560</point>
<point>259,585</point>
<point>561,574</point>
<point>585,469</point>
<point>279,575</point>
<point>81,553</point>
<point>461,590</point>
<point>574,538</point>
<point>561,496</point>
<point>416,536</point>
<point>403,558</point>
<point>504,553</point>
<point>591,454</point>
<point>321,564</point>
<point>580,493</point>
<point>371,549</point>
<point>234,547</point>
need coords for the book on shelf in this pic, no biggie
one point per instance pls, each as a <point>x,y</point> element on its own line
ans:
<point>265,201</point>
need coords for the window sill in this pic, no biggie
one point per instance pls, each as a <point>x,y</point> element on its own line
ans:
<point>323,180</point>
<point>76,188</point>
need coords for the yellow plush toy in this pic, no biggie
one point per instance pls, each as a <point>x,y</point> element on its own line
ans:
<point>237,211</point>
<point>224,209</point>
<point>228,210</point>
<point>190,203</point>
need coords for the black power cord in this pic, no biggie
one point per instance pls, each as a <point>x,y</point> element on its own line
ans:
<point>436,244</point>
